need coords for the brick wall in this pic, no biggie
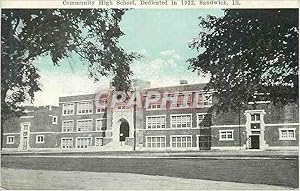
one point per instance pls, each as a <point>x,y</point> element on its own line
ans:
<point>40,120</point>
<point>275,117</point>
<point>16,141</point>
<point>272,136</point>
<point>237,134</point>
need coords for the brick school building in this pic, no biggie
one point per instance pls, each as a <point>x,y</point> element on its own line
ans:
<point>151,119</point>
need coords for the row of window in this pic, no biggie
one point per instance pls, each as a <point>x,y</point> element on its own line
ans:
<point>81,142</point>
<point>183,101</point>
<point>182,141</point>
<point>84,125</point>
<point>176,121</point>
<point>156,141</point>
<point>38,139</point>
<point>203,100</point>
<point>82,108</point>
<point>284,134</point>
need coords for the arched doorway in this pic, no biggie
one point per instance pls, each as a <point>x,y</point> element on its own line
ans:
<point>124,130</point>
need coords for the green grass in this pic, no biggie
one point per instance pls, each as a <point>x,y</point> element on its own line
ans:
<point>272,172</point>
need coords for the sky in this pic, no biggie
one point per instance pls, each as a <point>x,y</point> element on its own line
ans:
<point>160,35</point>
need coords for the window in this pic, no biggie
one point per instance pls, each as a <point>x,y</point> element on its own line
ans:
<point>255,117</point>
<point>39,139</point>
<point>255,121</point>
<point>98,141</point>
<point>54,120</point>
<point>100,110</point>
<point>226,135</point>
<point>25,127</point>
<point>121,106</point>
<point>68,108</point>
<point>85,107</point>
<point>181,141</point>
<point>85,125</point>
<point>10,139</point>
<point>181,121</point>
<point>287,133</point>
<point>156,142</point>
<point>156,105</point>
<point>183,100</point>
<point>205,100</point>
<point>66,143</point>
<point>67,126</point>
<point>156,122</point>
<point>200,120</point>
<point>101,103</point>
<point>100,124</point>
<point>84,142</point>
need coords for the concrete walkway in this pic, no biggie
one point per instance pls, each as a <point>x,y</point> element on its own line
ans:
<point>18,179</point>
<point>238,153</point>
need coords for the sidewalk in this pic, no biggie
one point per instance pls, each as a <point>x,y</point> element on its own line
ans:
<point>136,154</point>
<point>18,179</point>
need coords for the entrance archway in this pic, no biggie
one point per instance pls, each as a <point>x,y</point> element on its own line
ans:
<point>124,130</point>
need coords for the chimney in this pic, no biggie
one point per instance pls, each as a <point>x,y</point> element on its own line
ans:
<point>183,82</point>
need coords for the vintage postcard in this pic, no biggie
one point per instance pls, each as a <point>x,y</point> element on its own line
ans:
<point>149,95</point>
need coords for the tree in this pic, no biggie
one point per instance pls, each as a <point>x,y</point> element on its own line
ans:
<point>28,34</point>
<point>250,55</point>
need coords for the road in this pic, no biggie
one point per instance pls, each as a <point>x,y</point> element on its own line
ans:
<point>279,172</point>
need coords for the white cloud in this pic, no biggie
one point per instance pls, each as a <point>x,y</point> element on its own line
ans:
<point>164,70</point>
<point>170,53</point>
<point>170,80</point>
<point>159,64</point>
<point>55,85</point>
<point>167,60</point>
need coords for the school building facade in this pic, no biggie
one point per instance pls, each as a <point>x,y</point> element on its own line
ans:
<point>161,119</point>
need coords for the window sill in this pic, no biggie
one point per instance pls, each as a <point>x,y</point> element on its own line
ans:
<point>169,129</point>
<point>156,129</point>
<point>154,109</point>
<point>291,139</point>
<point>226,139</point>
<point>67,114</point>
<point>85,113</point>
<point>200,127</point>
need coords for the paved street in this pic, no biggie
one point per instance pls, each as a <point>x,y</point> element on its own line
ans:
<point>280,172</point>
<point>65,180</point>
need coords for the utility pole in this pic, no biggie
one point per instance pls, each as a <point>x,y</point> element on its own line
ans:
<point>240,127</point>
<point>134,121</point>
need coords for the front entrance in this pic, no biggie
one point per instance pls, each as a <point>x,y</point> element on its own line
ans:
<point>204,142</point>
<point>124,131</point>
<point>25,143</point>
<point>254,141</point>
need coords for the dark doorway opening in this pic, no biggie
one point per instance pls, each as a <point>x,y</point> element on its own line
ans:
<point>254,142</point>
<point>204,142</point>
<point>124,130</point>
